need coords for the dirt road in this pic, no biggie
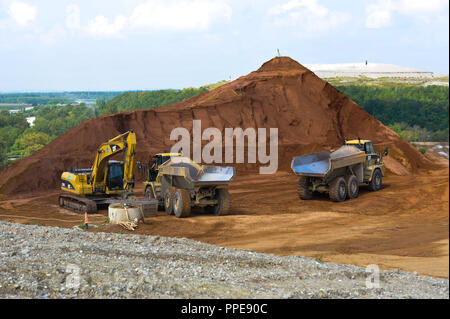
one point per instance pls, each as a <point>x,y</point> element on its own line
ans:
<point>404,226</point>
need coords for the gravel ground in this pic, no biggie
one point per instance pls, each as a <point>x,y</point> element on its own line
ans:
<point>50,262</point>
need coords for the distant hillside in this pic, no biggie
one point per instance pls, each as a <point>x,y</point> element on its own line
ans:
<point>151,99</point>
<point>10,100</point>
<point>376,74</point>
<point>417,113</point>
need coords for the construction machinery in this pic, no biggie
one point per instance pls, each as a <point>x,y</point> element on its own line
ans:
<point>107,181</point>
<point>340,172</point>
<point>178,183</point>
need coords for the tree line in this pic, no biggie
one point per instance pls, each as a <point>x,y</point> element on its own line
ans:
<point>146,100</point>
<point>45,98</point>
<point>17,137</point>
<point>415,113</point>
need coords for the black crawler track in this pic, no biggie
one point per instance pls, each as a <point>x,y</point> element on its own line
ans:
<point>77,204</point>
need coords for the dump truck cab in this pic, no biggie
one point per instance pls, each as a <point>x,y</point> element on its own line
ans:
<point>364,145</point>
<point>373,160</point>
<point>152,183</point>
<point>156,161</point>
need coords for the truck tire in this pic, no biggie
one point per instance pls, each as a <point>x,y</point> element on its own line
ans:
<point>377,180</point>
<point>182,203</point>
<point>168,202</point>
<point>352,187</point>
<point>223,205</point>
<point>303,190</point>
<point>338,189</point>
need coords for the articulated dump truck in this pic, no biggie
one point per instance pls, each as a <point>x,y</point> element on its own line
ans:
<point>339,173</point>
<point>179,184</point>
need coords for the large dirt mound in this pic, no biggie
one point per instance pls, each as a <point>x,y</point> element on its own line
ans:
<point>310,114</point>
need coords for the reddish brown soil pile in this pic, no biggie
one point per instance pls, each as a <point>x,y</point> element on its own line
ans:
<point>310,114</point>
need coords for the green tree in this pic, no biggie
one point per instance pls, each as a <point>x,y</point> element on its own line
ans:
<point>30,143</point>
<point>425,107</point>
<point>3,157</point>
<point>147,100</point>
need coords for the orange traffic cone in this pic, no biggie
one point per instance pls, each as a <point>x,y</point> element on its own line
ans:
<point>86,221</point>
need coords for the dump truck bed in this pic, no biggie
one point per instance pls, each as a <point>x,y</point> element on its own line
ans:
<point>198,174</point>
<point>322,163</point>
<point>215,175</point>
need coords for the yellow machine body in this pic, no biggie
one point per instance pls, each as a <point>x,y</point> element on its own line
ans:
<point>105,178</point>
<point>153,179</point>
<point>373,160</point>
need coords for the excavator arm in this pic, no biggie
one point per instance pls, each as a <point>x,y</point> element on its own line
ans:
<point>128,162</point>
<point>125,143</point>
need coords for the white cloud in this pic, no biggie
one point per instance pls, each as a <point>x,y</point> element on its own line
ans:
<point>308,15</point>
<point>22,13</point>
<point>421,6</point>
<point>73,17</point>
<point>100,26</point>
<point>379,14</point>
<point>309,5</point>
<point>179,15</point>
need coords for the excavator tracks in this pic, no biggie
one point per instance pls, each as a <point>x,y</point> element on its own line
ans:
<point>77,204</point>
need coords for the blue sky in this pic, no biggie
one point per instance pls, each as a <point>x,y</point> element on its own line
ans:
<point>153,44</point>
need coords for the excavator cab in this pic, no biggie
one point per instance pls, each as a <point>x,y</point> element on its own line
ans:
<point>114,177</point>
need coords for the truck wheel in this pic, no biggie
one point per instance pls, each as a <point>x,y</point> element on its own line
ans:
<point>168,203</point>
<point>352,187</point>
<point>338,189</point>
<point>377,180</point>
<point>223,203</point>
<point>182,203</point>
<point>303,188</point>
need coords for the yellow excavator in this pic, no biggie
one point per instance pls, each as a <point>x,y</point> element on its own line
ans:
<point>106,181</point>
